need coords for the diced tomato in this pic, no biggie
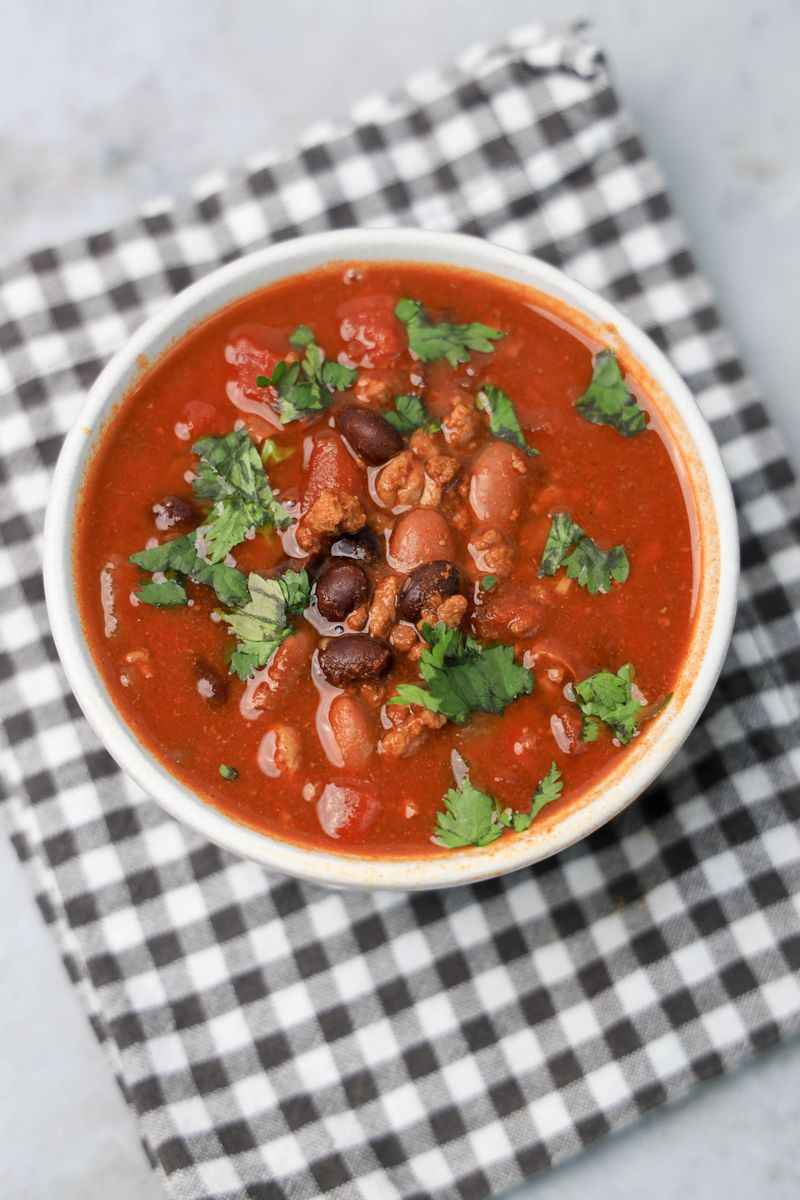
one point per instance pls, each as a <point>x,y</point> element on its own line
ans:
<point>198,418</point>
<point>371,332</point>
<point>251,361</point>
<point>332,466</point>
<point>346,810</point>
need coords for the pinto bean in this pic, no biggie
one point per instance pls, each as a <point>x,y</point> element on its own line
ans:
<point>515,612</point>
<point>426,587</point>
<point>362,546</point>
<point>421,535</point>
<point>341,587</point>
<point>372,438</point>
<point>351,729</point>
<point>354,658</point>
<point>212,686</point>
<point>280,751</point>
<point>497,483</point>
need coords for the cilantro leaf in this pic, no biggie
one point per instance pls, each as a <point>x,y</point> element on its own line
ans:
<point>464,677</point>
<point>272,452</point>
<point>262,623</point>
<point>231,474</point>
<point>592,568</point>
<point>549,789</point>
<point>473,818</point>
<point>503,419</point>
<point>607,400</point>
<point>488,582</point>
<point>336,377</point>
<point>469,818</point>
<point>559,540</point>
<point>227,772</point>
<point>166,594</point>
<point>410,414</point>
<point>181,557</point>
<point>432,341</point>
<point>303,336</point>
<point>609,698</point>
<point>306,387</point>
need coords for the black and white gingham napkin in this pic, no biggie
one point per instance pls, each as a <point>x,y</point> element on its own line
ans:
<point>276,1040</point>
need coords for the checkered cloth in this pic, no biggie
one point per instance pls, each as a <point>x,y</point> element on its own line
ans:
<point>276,1040</point>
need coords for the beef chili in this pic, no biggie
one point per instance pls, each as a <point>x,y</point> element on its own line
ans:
<point>386,559</point>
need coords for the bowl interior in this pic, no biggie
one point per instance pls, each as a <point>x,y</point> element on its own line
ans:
<point>694,453</point>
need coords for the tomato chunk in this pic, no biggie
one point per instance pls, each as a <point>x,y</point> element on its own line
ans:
<point>371,332</point>
<point>346,810</point>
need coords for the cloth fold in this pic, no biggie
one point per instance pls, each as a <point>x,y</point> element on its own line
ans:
<point>276,1040</point>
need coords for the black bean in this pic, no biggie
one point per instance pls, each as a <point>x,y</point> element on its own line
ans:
<point>362,546</point>
<point>174,510</point>
<point>353,658</point>
<point>372,438</point>
<point>341,587</point>
<point>212,686</point>
<point>426,587</point>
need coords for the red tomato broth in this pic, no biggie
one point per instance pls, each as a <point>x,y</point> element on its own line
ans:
<point>620,490</point>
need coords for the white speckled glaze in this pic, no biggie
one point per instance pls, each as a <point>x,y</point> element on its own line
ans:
<point>697,459</point>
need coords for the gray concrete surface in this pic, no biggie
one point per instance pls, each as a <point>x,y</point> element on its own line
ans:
<point>104,106</point>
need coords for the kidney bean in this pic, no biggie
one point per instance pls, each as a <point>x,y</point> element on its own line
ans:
<point>426,587</point>
<point>174,510</point>
<point>212,686</point>
<point>421,535</point>
<point>497,483</point>
<point>372,438</point>
<point>341,587</point>
<point>351,728</point>
<point>270,688</point>
<point>331,467</point>
<point>362,546</point>
<point>353,658</point>
<point>566,726</point>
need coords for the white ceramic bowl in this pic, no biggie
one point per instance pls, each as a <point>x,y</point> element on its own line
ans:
<point>695,454</point>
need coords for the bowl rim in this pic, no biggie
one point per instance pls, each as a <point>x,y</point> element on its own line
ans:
<point>690,438</point>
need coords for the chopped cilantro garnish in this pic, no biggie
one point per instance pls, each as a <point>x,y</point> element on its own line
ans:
<point>503,419</point>
<point>591,567</point>
<point>549,789</point>
<point>609,698</point>
<point>181,557</point>
<point>431,341</point>
<point>306,387</point>
<point>231,474</point>
<point>262,623</point>
<point>488,582</point>
<point>469,819</point>
<point>229,773</point>
<point>169,593</point>
<point>473,818</point>
<point>410,414</point>
<point>607,400</point>
<point>464,676</point>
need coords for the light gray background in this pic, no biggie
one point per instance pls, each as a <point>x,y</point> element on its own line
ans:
<point>105,105</point>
